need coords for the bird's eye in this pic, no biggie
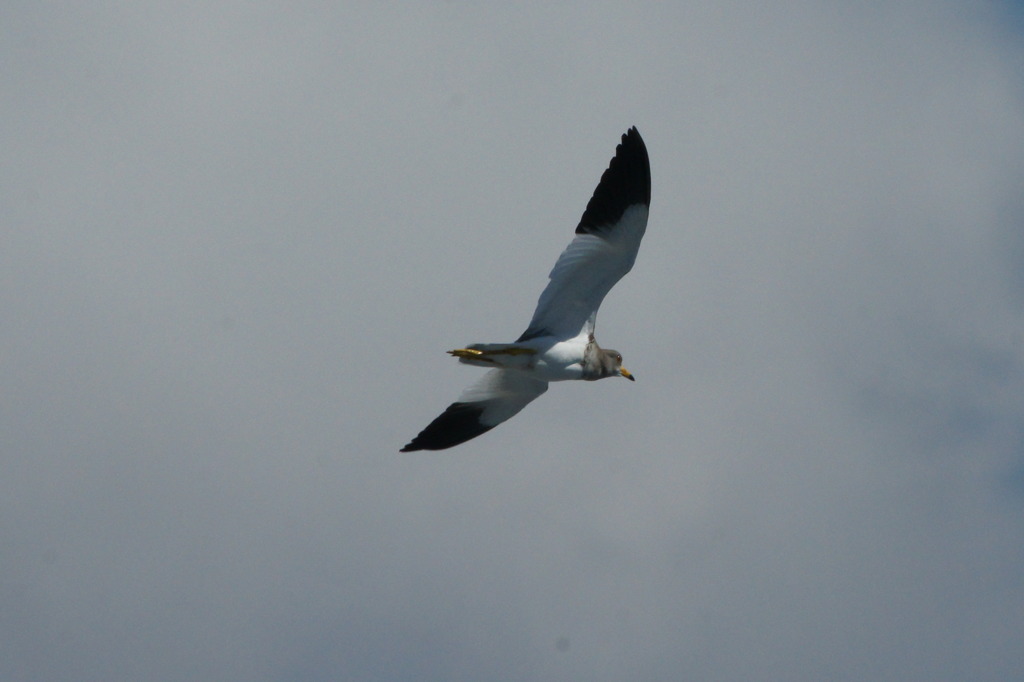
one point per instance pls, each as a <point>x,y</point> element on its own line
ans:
<point>618,357</point>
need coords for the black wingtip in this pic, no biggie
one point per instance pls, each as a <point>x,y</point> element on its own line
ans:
<point>457,424</point>
<point>626,182</point>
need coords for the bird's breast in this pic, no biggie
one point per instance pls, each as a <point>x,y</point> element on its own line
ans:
<point>560,360</point>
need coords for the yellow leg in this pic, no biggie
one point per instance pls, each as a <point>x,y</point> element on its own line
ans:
<point>477,354</point>
<point>516,351</point>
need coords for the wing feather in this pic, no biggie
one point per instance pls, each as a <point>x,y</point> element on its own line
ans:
<point>604,249</point>
<point>497,396</point>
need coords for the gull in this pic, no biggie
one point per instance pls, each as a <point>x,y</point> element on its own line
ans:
<point>559,344</point>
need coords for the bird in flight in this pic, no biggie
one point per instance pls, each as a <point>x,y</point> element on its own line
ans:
<point>559,344</point>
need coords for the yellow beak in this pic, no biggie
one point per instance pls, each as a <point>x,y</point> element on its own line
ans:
<point>625,372</point>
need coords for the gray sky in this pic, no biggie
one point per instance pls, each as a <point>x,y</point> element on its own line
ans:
<point>239,237</point>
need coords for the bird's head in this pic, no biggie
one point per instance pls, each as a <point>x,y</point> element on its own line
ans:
<point>611,364</point>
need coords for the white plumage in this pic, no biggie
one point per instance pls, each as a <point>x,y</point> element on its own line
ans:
<point>584,274</point>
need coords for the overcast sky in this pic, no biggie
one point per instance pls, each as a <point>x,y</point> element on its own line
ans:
<point>237,239</point>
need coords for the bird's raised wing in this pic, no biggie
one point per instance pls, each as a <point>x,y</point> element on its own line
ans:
<point>498,396</point>
<point>604,249</point>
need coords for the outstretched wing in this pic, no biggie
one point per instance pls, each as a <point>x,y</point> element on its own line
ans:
<point>498,396</point>
<point>604,249</point>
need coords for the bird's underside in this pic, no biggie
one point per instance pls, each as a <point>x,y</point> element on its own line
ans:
<point>558,344</point>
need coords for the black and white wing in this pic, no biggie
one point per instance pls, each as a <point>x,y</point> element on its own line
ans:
<point>498,396</point>
<point>604,249</point>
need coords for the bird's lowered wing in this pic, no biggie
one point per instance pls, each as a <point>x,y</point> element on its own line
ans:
<point>498,395</point>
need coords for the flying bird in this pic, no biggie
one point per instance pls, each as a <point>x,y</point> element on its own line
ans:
<point>559,344</point>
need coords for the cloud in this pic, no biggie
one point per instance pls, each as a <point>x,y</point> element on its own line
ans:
<point>240,239</point>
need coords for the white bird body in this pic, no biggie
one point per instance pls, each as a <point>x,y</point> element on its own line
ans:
<point>559,360</point>
<point>558,344</point>
<point>546,358</point>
